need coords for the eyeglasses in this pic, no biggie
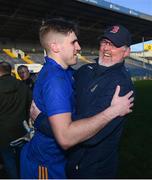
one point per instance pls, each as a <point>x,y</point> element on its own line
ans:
<point>105,43</point>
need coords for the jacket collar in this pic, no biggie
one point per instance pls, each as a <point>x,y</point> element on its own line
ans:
<point>100,69</point>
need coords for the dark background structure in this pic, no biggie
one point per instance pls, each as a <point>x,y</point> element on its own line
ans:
<point>20,19</point>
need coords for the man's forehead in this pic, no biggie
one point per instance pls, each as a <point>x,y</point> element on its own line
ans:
<point>23,70</point>
<point>105,39</point>
<point>72,36</point>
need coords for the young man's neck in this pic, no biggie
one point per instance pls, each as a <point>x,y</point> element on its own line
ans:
<point>58,61</point>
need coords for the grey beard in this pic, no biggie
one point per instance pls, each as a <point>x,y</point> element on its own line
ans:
<point>103,64</point>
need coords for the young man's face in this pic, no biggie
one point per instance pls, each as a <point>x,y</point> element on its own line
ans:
<point>109,54</point>
<point>69,49</point>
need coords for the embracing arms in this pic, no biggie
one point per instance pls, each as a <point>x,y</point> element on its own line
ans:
<point>69,133</point>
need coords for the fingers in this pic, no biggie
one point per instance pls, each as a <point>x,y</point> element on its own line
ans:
<point>33,105</point>
<point>117,91</point>
<point>130,111</point>
<point>128,95</point>
<point>131,99</point>
<point>123,103</point>
<point>131,105</point>
<point>34,111</point>
<point>126,112</point>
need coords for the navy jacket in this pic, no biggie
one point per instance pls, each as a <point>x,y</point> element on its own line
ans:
<point>94,89</point>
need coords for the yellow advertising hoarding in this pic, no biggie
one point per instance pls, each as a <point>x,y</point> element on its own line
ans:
<point>148,47</point>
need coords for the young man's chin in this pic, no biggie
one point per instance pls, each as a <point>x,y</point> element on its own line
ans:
<point>74,62</point>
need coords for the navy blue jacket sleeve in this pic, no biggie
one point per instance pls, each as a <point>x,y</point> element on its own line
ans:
<point>42,124</point>
<point>104,133</point>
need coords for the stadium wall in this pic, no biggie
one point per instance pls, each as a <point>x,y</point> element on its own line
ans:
<point>24,45</point>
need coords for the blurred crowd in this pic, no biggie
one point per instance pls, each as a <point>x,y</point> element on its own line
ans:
<point>15,98</point>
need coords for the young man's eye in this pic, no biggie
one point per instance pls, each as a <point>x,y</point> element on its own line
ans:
<point>73,42</point>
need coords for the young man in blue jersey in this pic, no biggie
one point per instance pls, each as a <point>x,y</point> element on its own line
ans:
<point>44,157</point>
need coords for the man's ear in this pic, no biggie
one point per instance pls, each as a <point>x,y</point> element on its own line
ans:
<point>54,47</point>
<point>127,52</point>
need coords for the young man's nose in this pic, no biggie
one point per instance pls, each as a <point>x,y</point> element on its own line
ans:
<point>78,47</point>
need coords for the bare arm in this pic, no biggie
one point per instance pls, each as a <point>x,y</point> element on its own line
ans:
<point>69,133</point>
<point>34,112</point>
